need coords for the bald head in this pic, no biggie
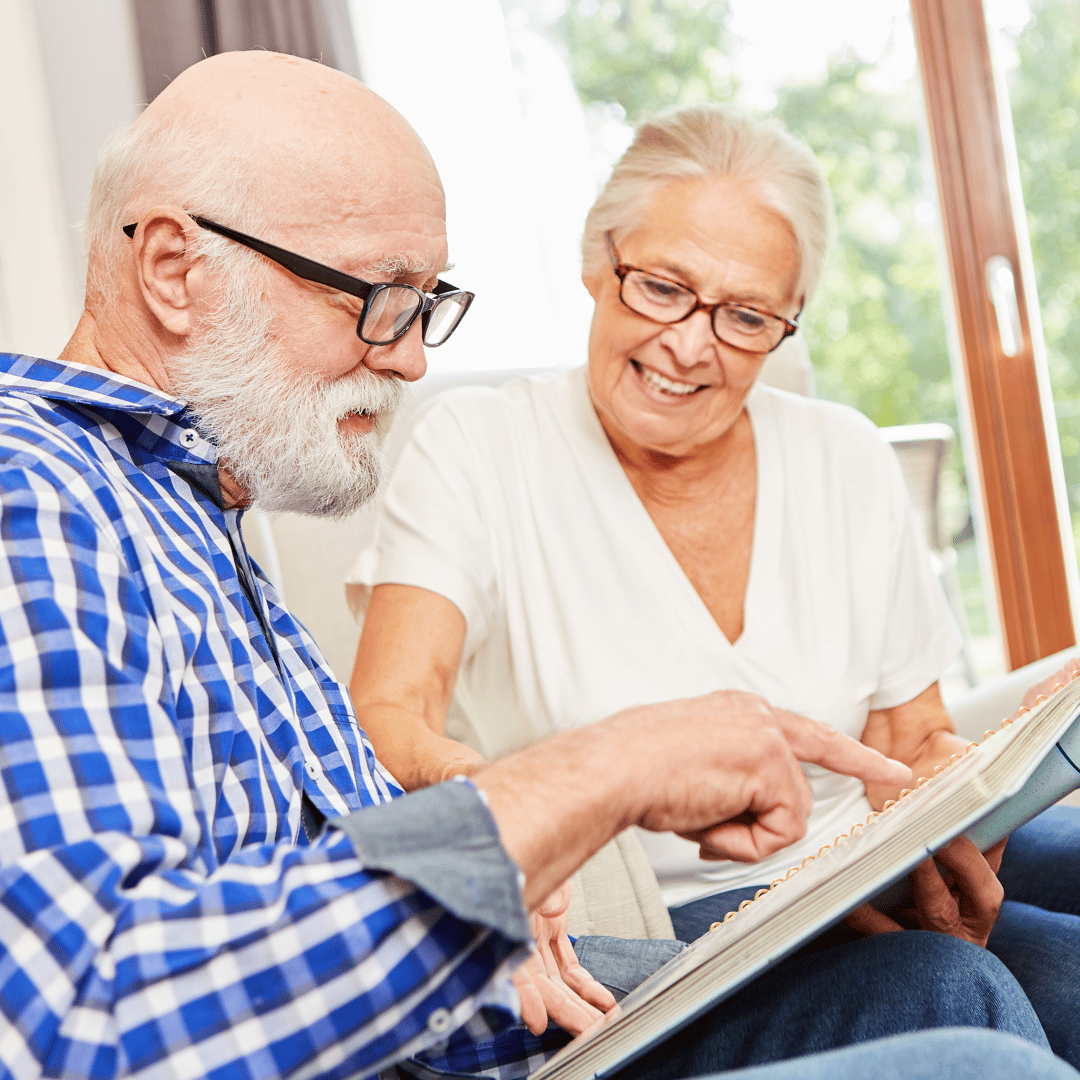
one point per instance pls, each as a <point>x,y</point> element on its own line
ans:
<point>258,139</point>
<point>309,131</point>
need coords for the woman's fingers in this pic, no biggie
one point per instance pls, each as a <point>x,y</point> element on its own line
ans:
<point>969,909</point>
<point>866,919</point>
<point>994,855</point>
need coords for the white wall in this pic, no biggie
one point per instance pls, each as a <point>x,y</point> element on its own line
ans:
<point>38,291</point>
<point>68,79</point>
<point>512,151</point>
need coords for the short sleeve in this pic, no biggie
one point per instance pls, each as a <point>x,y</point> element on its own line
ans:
<point>432,529</point>
<point>921,638</point>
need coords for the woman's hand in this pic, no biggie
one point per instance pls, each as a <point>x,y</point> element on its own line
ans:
<point>966,900</point>
<point>1046,687</point>
<point>963,902</point>
<point>552,984</point>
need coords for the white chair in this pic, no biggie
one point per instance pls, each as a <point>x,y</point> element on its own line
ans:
<point>922,450</point>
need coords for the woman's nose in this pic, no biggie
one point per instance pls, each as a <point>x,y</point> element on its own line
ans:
<point>692,341</point>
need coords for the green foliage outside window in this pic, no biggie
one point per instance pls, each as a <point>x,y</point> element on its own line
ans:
<point>1044,89</point>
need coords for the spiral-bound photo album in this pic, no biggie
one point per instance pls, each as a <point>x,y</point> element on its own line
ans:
<point>1028,764</point>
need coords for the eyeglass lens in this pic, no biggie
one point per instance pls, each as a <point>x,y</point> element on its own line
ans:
<point>443,318</point>
<point>667,302</point>
<point>390,311</point>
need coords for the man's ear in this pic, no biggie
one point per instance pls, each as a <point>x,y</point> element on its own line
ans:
<point>170,280</point>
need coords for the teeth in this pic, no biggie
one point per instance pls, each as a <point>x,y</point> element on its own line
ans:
<point>654,378</point>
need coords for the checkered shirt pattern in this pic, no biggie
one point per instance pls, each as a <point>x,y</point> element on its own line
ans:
<point>161,716</point>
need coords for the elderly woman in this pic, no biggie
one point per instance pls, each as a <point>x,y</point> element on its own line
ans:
<point>658,524</point>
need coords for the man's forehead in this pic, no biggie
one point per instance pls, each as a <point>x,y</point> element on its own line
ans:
<point>400,233</point>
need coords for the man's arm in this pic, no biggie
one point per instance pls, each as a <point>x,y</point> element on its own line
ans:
<point>722,770</point>
<point>130,944</point>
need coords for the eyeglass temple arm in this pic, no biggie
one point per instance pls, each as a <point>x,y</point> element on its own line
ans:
<point>307,269</point>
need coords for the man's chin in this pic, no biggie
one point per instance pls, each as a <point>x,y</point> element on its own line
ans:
<point>321,495</point>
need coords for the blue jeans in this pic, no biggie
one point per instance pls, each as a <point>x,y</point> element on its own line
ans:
<point>1037,934</point>
<point>951,1054</point>
<point>821,1000</point>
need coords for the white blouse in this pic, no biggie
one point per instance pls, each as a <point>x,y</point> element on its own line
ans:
<point>511,503</point>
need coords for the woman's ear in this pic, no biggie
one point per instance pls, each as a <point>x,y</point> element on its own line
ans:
<point>592,279</point>
<point>169,279</point>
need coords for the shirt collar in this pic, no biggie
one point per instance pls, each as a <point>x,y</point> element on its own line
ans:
<point>163,426</point>
<point>82,385</point>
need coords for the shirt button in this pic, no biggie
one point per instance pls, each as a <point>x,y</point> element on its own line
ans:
<point>189,437</point>
<point>312,769</point>
<point>439,1021</point>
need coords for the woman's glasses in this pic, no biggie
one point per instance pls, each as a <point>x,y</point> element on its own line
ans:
<point>664,301</point>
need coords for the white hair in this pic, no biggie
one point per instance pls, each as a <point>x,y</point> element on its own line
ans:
<point>202,169</point>
<point>717,142</point>
<point>277,432</point>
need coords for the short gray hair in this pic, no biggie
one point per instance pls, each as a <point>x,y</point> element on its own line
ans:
<point>199,168</point>
<point>717,142</point>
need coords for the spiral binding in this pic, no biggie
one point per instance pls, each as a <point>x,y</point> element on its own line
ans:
<point>888,806</point>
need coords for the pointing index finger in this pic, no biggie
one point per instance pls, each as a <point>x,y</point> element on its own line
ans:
<point>820,744</point>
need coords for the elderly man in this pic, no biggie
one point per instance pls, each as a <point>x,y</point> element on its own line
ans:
<point>203,869</point>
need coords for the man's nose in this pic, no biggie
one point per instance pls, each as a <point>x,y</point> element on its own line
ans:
<point>404,359</point>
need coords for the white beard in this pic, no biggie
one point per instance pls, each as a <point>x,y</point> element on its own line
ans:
<point>277,433</point>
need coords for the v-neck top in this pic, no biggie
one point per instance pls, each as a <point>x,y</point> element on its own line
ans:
<point>511,503</point>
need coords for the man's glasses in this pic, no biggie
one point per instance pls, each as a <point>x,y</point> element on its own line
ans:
<point>389,308</point>
<point>664,301</point>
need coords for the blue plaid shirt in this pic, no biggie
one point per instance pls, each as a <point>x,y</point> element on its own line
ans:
<point>162,719</point>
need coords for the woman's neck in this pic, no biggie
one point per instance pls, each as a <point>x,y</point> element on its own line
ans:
<point>661,478</point>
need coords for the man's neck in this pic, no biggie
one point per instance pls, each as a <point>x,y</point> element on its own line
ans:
<point>97,344</point>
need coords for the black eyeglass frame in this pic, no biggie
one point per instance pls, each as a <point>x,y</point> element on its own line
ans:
<point>623,269</point>
<point>310,270</point>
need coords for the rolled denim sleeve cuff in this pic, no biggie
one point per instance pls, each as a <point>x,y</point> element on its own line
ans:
<point>444,840</point>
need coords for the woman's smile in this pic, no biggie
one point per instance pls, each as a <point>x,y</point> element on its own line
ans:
<point>667,387</point>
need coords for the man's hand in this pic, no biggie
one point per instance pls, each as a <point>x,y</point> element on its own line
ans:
<point>1046,687</point>
<point>963,903</point>
<point>552,983</point>
<point>721,769</point>
<point>731,781</point>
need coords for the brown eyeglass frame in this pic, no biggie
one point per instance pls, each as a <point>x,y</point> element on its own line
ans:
<point>623,269</point>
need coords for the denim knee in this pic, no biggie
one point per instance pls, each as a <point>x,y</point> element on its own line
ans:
<point>954,983</point>
<point>621,964</point>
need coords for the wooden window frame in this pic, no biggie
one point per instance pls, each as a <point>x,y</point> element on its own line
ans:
<point>1007,418</point>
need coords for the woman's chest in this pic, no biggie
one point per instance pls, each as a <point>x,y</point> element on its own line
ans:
<point>712,540</point>
<point>707,521</point>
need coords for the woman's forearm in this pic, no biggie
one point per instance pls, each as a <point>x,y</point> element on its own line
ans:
<point>406,665</point>
<point>416,756</point>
